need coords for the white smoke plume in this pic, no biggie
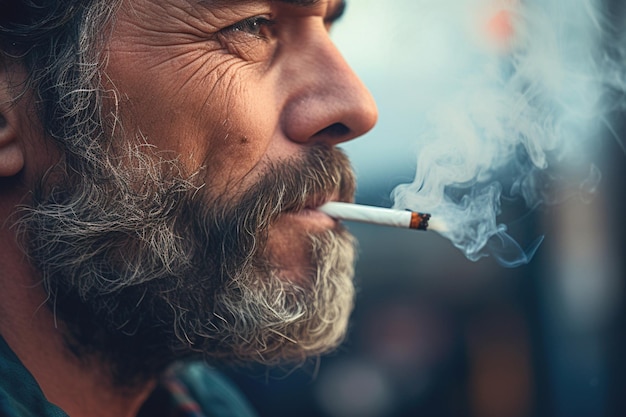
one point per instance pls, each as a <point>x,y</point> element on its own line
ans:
<point>525,99</point>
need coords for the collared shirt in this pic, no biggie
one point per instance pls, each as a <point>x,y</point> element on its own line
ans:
<point>185,390</point>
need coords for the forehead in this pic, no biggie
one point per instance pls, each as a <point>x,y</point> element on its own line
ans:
<point>332,6</point>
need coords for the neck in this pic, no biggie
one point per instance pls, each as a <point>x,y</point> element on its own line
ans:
<point>81,388</point>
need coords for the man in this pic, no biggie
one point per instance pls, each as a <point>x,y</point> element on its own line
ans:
<point>160,166</point>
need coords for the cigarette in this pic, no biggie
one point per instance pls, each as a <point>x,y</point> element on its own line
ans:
<point>376,215</point>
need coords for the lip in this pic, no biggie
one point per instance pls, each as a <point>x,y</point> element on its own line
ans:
<point>314,203</point>
<point>312,218</point>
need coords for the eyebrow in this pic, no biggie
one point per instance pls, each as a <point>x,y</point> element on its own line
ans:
<point>303,3</point>
<point>336,13</point>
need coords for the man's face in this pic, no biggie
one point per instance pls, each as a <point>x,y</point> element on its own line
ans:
<point>231,87</point>
<point>203,237</point>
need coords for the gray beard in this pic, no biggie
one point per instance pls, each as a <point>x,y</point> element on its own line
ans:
<point>143,268</point>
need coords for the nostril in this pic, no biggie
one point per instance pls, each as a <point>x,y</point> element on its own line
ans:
<point>334,131</point>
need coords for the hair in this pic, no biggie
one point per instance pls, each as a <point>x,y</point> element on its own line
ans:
<point>60,45</point>
<point>138,259</point>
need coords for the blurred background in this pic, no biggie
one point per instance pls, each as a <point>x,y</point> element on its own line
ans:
<point>434,334</point>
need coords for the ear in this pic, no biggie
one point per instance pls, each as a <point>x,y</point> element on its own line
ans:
<point>11,151</point>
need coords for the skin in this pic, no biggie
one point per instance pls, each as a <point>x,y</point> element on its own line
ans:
<point>216,78</point>
<point>204,84</point>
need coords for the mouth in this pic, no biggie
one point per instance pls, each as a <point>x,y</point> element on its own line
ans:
<point>320,218</point>
<point>311,218</point>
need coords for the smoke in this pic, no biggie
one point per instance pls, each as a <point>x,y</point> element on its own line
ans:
<point>515,118</point>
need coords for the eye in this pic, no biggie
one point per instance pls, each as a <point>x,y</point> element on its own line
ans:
<point>256,26</point>
<point>253,39</point>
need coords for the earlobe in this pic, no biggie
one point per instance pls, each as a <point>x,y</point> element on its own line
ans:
<point>11,149</point>
<point>11,153</point>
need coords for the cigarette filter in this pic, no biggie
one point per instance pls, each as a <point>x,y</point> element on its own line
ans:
<point>376,215</point>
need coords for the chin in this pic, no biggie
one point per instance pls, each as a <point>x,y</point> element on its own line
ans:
<point>290,247</point>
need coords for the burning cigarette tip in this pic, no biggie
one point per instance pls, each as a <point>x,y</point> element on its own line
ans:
<point>419,221</point>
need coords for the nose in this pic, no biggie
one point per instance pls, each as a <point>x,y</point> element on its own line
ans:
<point>325,101</point>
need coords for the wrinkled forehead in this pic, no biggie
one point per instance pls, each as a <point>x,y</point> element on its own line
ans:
<point>329,4</point>
<point>331,9</point>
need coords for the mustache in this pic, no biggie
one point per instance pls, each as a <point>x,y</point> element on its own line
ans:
<point>301,182</point>
<point>240,224</point>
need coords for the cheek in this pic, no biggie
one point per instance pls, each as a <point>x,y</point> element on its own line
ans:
<point>206,108</point>
<point>244,120</point>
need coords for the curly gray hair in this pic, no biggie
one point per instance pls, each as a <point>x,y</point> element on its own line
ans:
<point>58,42</point>
<point>141,261</point>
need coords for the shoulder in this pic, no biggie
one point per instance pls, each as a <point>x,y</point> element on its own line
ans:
<point>214,393</point>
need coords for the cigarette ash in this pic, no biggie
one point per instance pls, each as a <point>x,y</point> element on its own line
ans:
<point>524,96</point>
<point>419,221</point>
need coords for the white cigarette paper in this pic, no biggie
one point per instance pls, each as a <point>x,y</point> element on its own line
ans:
<point>376,215</point>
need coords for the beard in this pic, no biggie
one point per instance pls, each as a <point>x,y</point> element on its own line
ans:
<point>144,267</point>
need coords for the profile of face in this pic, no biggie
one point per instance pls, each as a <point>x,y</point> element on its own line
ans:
<point>187,226</point>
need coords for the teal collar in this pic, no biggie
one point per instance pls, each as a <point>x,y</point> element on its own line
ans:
<point>20,395</point>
